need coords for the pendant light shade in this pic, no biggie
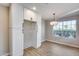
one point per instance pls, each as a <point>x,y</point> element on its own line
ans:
<point>53,23</point>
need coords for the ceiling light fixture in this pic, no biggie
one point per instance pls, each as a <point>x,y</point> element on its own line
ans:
<point>34,8</point>
<point>54,22</point>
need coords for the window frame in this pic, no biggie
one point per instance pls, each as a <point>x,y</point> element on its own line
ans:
<point>68,29</point>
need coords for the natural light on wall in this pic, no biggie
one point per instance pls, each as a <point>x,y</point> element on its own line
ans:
<point>65,29</point>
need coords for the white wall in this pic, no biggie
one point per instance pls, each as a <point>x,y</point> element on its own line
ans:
<point>50,36</point>
<point>15,29</point>
<point>28,14</point>
<point>30,33</point>
<point>43,31</point>
<point>4,33</point>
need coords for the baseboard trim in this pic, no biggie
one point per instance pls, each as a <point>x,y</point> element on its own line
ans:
<point>76,46</point>
<point>43,41</point>
<point>7,54</point>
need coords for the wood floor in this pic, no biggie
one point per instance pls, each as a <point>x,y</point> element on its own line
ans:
<point>52,49</point>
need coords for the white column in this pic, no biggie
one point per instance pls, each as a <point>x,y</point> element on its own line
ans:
<point>15,28</point>
<point>39,32</point>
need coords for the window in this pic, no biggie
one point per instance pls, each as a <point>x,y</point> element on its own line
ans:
<point>65,29</point>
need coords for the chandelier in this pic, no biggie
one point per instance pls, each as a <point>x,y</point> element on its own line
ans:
<point>54,22</point>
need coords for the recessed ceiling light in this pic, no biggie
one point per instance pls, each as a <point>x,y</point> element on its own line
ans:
<point>34,8</point>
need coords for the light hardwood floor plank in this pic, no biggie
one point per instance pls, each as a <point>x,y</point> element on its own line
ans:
<point>52,49</point>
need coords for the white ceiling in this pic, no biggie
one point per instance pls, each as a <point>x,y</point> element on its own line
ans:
<point>47,9</point>
<point>5,4</point>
